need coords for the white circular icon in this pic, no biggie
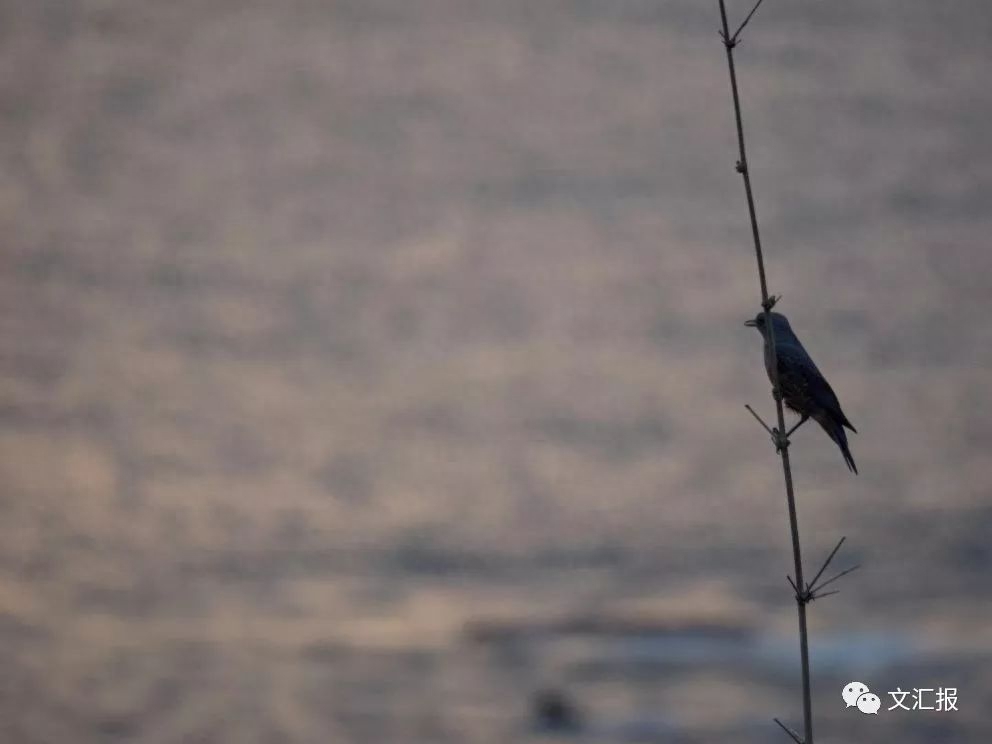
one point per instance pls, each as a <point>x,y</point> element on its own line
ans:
<point>869,703</point>
<point>852,691</point>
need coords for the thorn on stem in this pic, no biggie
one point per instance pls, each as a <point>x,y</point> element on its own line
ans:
<point>814,590</point>
<point>758,418</point>
<point>817,589</point>
<point>747,20</point>
<point>780,441</point>
<point>792,734</point>
<point>827,561</point>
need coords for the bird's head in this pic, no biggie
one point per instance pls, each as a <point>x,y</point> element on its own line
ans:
<point>779,322</point>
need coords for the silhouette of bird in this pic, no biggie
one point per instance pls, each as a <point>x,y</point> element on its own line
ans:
<point>804,389</point>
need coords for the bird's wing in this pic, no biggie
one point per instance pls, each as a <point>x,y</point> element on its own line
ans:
<point>794,361</point>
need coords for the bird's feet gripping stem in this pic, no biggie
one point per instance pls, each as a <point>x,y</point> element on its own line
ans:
<point>780,440</point>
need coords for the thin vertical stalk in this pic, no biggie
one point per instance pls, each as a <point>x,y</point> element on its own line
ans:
<point>767,303</point>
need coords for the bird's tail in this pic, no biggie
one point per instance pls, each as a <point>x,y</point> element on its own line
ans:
<point>836,432</point>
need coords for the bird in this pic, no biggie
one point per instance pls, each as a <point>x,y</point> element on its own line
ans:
<point>804,389</point>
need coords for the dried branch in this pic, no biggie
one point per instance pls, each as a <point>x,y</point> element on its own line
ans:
<point>804,592</point>
<point>781,443</point>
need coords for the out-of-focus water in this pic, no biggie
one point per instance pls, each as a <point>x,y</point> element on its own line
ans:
<point>368,368</point>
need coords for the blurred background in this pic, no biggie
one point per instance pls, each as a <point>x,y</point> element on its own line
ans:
<point>375,370</point>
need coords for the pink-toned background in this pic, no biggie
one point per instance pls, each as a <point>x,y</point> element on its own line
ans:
<point>368,365</point>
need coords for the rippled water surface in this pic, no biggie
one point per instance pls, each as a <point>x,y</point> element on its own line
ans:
<point>375,371</point>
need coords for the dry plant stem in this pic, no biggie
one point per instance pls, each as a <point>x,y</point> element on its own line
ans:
<point>767,303</point>
<point>791,734</point>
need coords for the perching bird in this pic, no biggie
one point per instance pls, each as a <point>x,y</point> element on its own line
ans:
<point>804,389</point>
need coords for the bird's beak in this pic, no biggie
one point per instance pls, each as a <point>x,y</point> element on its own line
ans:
<point>750,324</point>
